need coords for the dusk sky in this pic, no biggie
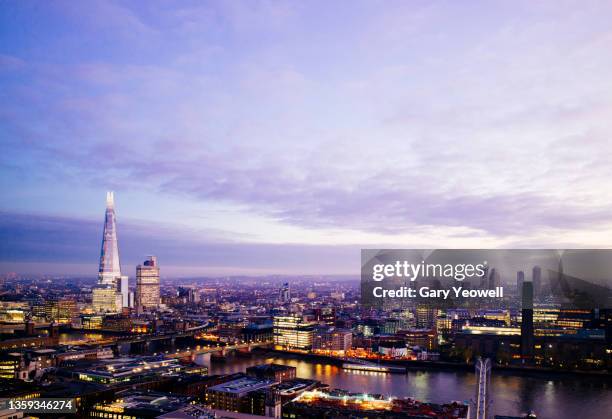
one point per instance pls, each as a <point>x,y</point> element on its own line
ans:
<point>264,137</point>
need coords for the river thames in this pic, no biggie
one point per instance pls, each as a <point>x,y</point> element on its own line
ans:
<point>563,397</point>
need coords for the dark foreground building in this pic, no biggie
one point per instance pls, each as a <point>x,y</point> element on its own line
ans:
<point>131,404</point>
<point>245,395</point>
<point>274,372</point>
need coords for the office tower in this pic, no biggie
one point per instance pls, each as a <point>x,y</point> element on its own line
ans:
<point>124,291</point>
<point>494,279</point>
<point>482,405</point>
<point>109,272</point>
<point>194,296</point>
<point>536,279</point>
<point>109,269</point>
<point>425,316</point>
<point>147,284</point>
<point>527,321</point>
<point>293,332</point>
<point>285,293</point>
<point>190,295</point>
<point>520,278</point>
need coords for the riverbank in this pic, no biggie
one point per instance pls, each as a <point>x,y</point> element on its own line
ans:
<point>562,396</point>
<point>450,366</point>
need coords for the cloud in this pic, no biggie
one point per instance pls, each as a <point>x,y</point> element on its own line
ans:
<point>401,119</point>
<point>31,242</point>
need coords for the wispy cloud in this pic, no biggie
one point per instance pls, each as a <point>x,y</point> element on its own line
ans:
<point>436,119</point>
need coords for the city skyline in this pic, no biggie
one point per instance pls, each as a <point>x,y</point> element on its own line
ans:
<point>241,141</point>
<point>307,209</point>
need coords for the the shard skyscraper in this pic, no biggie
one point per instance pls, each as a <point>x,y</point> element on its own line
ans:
<point>112,293</point>
<point>110,268</point>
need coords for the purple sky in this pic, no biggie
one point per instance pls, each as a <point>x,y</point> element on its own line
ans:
<point>281,137</point>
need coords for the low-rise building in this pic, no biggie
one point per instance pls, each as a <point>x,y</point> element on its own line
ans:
<point>274,372</point>
<point>332,340</point>
<point>130,404</point>
<point>293,332</point>
<point>122,370</point>
<point>245,395</point>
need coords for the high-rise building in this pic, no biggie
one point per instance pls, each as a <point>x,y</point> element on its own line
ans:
<point>520,278</point>
<point>285,293</point>
<point>193,296</point>
<point>109,272</point>
<point>536,278</point>
<point>189,295</point>
<point>147,284</point>
<point>527,322</point>
<point>109,269</point>
<point>124,291</point>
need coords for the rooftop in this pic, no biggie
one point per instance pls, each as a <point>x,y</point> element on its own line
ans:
<point>123,367</point>
<point>270,368</point>
<point>242,385</point>
<point>145,400</point>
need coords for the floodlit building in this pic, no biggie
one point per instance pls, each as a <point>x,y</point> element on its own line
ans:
<point>131,404</point>
<point>147,285</point>
<point>109,272</point>
<point>293,332</point>
<point>423,338</point>
<point>106,299</point>
<point>62,310</point>
<point>425,316</point>
<point>126,370</point>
